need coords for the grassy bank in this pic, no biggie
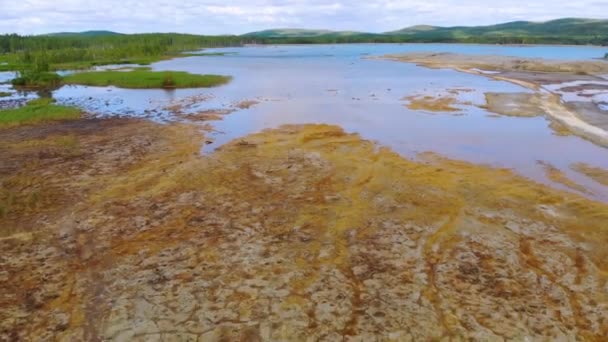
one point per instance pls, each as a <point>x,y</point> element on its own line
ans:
<point>39,110</point>
<point>144,79</point>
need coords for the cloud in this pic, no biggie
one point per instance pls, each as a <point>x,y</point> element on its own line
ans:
<point>240,16</point>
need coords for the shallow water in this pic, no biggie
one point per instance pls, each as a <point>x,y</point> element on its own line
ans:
<point>15,98</point>
<point>337,84</point>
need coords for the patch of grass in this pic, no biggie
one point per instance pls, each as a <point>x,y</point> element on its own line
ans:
<point>36,111</point>
<point>143,79</point>
<point>8,67</point>
<point>84,65</point>
<point>4,94</point>
<point>41,80</point>
<point>9,63</point>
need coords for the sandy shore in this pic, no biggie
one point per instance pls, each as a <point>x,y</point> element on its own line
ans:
<point>588,121</point>
<point>120,230</point>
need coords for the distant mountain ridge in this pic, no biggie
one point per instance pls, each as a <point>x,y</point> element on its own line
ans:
<point>567,27</point>
<point>296,32</point>
<point>84,34</point>
<point>571,26</point>
<point>560,31</point>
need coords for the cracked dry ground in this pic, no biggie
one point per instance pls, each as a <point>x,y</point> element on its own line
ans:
<point>120,230</point>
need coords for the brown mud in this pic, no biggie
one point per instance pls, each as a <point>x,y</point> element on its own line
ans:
<point>513,104</point>
<point>121,230</point>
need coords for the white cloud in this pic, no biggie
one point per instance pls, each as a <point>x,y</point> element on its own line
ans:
<point>239,16</point>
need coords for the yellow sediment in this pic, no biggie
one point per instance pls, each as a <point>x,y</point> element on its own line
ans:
<point>596,173</point>
<point>340,237</point>
<point>432,103</point>
<point>558,176</point>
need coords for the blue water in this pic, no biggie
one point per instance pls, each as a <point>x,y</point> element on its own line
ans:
<point>357,50</point>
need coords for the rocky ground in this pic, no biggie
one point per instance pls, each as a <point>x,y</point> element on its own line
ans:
<point>120,230</point>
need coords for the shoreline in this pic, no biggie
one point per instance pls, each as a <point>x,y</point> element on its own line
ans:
<point>554,107</point>
<point>552,103</point>
<point>418,43</point>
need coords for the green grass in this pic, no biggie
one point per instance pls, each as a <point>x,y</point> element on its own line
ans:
<point>4,94</point>
<point>42,80</point>
<point>144,79</point>
<point>84,65</point>
<point>5,66</point>
<point>36,111</point>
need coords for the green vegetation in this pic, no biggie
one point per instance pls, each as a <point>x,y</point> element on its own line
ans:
<point>36,57</point>
<point>4,94</point>
<point>40,80</point>
<point>562,31</point>
<point>143,79</point>
<point>35,111</point>
<point>37,76</point>
<point>83,50</point>
<point>298,33</point>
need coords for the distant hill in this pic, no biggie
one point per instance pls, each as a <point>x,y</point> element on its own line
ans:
<point>414,29</point>
<point>561,31</point>
<point>572,27</point>
<point>297,33</point>
<point>84,34</point>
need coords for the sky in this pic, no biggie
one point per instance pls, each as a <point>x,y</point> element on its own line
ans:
<point>242,16</point>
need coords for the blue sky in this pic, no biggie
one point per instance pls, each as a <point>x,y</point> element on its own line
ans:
<point>241,16</point>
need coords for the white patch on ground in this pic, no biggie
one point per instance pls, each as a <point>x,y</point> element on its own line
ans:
<point>487,72</point>
<point>587,95</point>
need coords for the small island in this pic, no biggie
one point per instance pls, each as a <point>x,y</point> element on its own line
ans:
<point>145,79</point>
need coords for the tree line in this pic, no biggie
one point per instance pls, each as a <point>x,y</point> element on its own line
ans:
<point>29,50</point>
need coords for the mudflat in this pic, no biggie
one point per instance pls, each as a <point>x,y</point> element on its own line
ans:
<point>120,230</point>
<point>551,80</point>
